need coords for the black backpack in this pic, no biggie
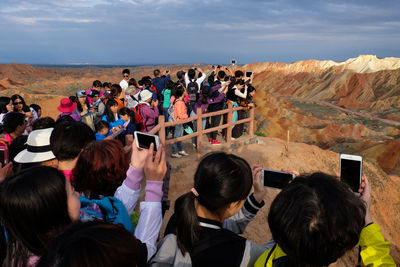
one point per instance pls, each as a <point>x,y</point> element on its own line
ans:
<point>193,90</point>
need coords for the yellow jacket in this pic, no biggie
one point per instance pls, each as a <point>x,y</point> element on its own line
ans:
<point>374,249</point>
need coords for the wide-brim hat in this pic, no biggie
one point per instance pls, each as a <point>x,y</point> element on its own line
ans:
<point>145,95</point>
<point>38,147</point>
<point>66,105</point>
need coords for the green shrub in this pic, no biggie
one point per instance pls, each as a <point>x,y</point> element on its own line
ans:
<point>260,133</point>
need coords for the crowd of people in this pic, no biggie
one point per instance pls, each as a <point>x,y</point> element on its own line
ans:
<point>69,193</point>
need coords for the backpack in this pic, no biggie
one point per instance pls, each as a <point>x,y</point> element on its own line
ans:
<point>171,111</point>
<point>140,123</point>
<point>107,209</point>
<point>193,90</point>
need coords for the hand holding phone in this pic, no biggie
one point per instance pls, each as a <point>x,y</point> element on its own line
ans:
<point>144,140</point>
<point>350,171</point>
<point>276,179</point>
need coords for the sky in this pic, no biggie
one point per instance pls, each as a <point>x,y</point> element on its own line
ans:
<point>194,31</point>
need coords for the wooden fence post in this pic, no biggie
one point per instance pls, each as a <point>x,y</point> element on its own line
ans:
<point>251,124</point>
<point>199,130</point>
<point>229,122</point>
<point>161,134</point>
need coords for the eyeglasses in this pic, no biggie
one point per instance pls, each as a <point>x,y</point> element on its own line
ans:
<point>126,75</point>
<point>18,103</point>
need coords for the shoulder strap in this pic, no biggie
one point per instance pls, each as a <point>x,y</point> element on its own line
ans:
<point>269,255</point>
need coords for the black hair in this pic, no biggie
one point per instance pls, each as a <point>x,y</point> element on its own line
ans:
<point>147,84</point>
<point>156,72</point>
<point>69,138</point>
<point>15,97</point>
<point>96,83</point>
<point>94,244</point>
<point>43,123</point>
<point>239,74</point>
<point>12,120</point>
<point>127,111</point>
<point>250,88</point>
<point>140,82</point>
<point>4,101</point>
<point>126,71</point>
<point>107,84</point>
<point>109,114</point>
<point>220,179</point>
<point>177,91</point>
<point>25,109</point>
<point>102,125</point>
<point>191,73</point>
<point>115,90</point>
<point>33,208</point>
<point>169,84</point>
<point>17,145</point>
<point>316,219</point>
<point>35,107</point>
<point>221,74</point>
<point>79,106</point>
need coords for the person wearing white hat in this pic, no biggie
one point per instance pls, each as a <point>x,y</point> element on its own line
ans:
<point>38,149</point>
<point>148,109</point>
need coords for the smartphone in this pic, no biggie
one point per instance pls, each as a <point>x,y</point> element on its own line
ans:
<point>4,155</point>
<point>144,140</point>
<point>167,71</point>
<point>233,61</point>
<point>195,68</point>
<point>226,68</point>
<point>350,171</point>
<point>219,66</point>
<point>276,179</point>
<point>248,74</point>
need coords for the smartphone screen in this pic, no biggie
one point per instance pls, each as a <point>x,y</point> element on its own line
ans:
<point>145,141</point>
<point>2,157</point>
<point>276,179</point>
<point>350,173</point>
<point>248,74</point>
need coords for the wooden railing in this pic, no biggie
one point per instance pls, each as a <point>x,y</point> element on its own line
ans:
<point>160,127</point>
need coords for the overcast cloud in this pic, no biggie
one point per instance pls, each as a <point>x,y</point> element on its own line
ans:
<point>188,31</point>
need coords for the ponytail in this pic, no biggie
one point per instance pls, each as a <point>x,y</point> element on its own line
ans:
<point>187,223</point>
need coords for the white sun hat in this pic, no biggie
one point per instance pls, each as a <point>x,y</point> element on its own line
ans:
<point>38,147</point>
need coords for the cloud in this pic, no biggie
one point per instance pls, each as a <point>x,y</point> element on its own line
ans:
<point>32,20</point>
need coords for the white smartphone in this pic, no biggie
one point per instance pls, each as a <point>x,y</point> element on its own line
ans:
<point>144,140</point>
<point>276,179</point>
<point>351,171</point>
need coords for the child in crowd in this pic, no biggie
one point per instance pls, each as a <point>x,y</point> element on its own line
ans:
<point>111,116</point>
<point>204,230</point>
<point>101,130</point>
<point>179,112</point>
<point>67,141</point>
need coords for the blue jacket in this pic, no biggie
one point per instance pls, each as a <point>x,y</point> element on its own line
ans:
<point>159,83</point>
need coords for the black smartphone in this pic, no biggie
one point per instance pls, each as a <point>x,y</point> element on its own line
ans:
<point>3,155</point>
<point>219,66</point>
<point>212,66</point>
<point>195,68</point>
<point>248,74</point>
<point>276,179</point>
<point>167,71</point>
<point>350,171</point>
<point>144,140</point>
<point>233,61</point>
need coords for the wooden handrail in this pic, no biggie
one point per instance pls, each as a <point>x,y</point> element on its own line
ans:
<point>160,127</point>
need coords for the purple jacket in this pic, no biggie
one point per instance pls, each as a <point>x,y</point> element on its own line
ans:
<point>199,103</point>
<point>71,114</point>
<point>149,115</point>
